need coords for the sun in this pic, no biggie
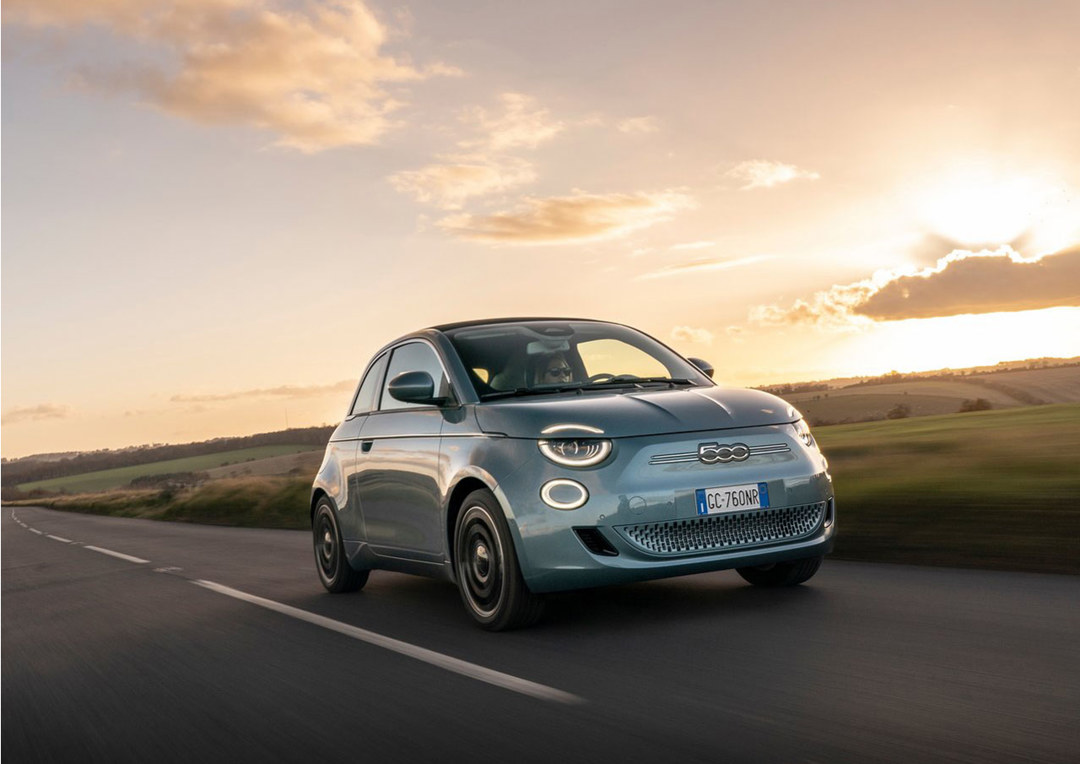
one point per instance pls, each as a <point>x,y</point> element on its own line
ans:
<point>977,208</point>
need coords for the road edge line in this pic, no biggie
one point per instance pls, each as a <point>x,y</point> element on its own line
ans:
<point>456,665</point>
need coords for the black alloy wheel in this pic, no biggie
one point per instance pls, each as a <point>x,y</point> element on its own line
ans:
<point>334,570</point>
<point>486,566</point>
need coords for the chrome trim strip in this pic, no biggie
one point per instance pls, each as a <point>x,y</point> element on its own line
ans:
<point>566,427</point>
<point>692,456</point>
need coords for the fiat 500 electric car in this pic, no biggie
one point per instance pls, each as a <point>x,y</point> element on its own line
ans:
<point>517,457</point>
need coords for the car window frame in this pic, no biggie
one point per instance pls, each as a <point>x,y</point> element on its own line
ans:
<point>352,413</point>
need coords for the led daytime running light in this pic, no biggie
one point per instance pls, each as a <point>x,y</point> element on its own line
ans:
<point>803,431</point>
<point>576,452</point>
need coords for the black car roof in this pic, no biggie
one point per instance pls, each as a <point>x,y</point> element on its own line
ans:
<point>486,321</point>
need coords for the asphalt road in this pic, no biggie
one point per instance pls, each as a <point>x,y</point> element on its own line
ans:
<point>111,659</point>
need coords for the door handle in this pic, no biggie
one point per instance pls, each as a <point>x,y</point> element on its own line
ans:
<point>365,445</point>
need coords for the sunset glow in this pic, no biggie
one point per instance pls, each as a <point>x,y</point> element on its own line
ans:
<point>214,212</point>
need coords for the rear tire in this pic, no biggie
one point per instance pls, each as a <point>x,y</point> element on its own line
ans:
<point>487,570</point>
<point>782,573</point>
<point>334,570</point>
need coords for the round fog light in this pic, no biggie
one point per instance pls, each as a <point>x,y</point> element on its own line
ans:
<point>564,494</point>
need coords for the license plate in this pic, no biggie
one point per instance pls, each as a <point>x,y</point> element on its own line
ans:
<point>732,498</point>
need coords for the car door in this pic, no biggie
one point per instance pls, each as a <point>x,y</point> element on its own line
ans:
<point>345,445</point>
<point>397,464</point>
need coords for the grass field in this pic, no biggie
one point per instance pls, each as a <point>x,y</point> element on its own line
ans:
<point>105,480</point>
<point>303,464</point>
<point>989,489</point>
<point>860,403</point>
<point>871,406</point>
<point>936,388</point>
<point>994,489</point>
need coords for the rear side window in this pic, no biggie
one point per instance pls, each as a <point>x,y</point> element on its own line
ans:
<point>415,356</point>
<point>365,399</point>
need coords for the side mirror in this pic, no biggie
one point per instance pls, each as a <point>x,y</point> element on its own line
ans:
<point>705,366</point>
<point>414,387</point>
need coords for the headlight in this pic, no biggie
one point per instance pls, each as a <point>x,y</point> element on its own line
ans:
<point>575,452</point>
<point>803,431</point>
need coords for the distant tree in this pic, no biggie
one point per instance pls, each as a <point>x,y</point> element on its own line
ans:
<point>899,411</point>
<point>978,404</point>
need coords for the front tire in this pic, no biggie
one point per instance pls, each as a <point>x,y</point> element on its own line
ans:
<point>487,570</point>
<point>334,570</point>
<point>782,573</point>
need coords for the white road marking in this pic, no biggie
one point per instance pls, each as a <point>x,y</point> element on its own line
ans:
<point>117,555</point>
<point>35,530</point>
<point>58,538</point>
<point>458,666</point>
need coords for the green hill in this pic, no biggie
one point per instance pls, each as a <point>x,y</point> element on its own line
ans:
<point>119,477</point>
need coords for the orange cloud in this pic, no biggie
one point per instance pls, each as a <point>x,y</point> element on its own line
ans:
<point>692,335</point>
<point>463,177</point>
<point>638,125</point>
<point>982,282</point>
<point>762,173</point>
<point>315,76</point>
<point>521,123</point>
<point>284,391</point>
<point>34,413</point>
<point>962,282</point>
<point>696,266</point>
<point>563,219</point>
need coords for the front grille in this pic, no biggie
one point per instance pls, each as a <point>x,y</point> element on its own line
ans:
<point>727,531</point>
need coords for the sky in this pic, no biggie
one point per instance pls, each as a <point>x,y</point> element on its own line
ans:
<point>215,211</point>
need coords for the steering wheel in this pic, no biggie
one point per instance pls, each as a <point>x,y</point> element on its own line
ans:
<point>602,377</point>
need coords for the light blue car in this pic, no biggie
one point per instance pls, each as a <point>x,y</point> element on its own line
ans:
<point>517,457</point>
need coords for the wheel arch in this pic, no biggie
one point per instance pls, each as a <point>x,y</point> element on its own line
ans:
<point>317,493</point>
<point>473,480</point>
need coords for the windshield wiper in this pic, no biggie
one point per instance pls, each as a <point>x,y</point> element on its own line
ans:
<point>522,391</point>
<point>630,382</point>
<point>578,386</point>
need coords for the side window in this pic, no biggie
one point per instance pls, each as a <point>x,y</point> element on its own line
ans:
<point>365,399</point>
<point>416,356</point>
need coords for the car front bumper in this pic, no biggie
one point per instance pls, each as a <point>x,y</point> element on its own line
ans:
<point>641,520</point>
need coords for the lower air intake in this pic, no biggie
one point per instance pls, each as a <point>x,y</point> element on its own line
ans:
<point>728,531</point>
<point>595,542</point>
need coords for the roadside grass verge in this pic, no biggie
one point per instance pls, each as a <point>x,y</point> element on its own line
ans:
<point>990,489</point>
<point>252,502</point>
<point>104,480</point>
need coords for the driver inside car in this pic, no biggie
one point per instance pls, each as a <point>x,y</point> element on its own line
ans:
<point>552,369</point>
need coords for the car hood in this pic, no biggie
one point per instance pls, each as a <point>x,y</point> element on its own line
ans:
<point>640,412</point>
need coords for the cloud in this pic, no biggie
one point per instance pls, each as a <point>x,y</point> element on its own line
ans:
<point>449,185</point>
<point>562,219</point>
<point>313,74</point>
<point>697,266</point>
<point>34,413</point>
<point>962,282</point>
<point>983,282</point>
<point>692,245</point>
<point>690,334</point>
<point>284,391</point>
<point>521,123</point>
<point>761,173</point>
<point>639,125</point>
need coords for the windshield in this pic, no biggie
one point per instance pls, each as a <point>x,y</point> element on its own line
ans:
<point>536,357</point>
